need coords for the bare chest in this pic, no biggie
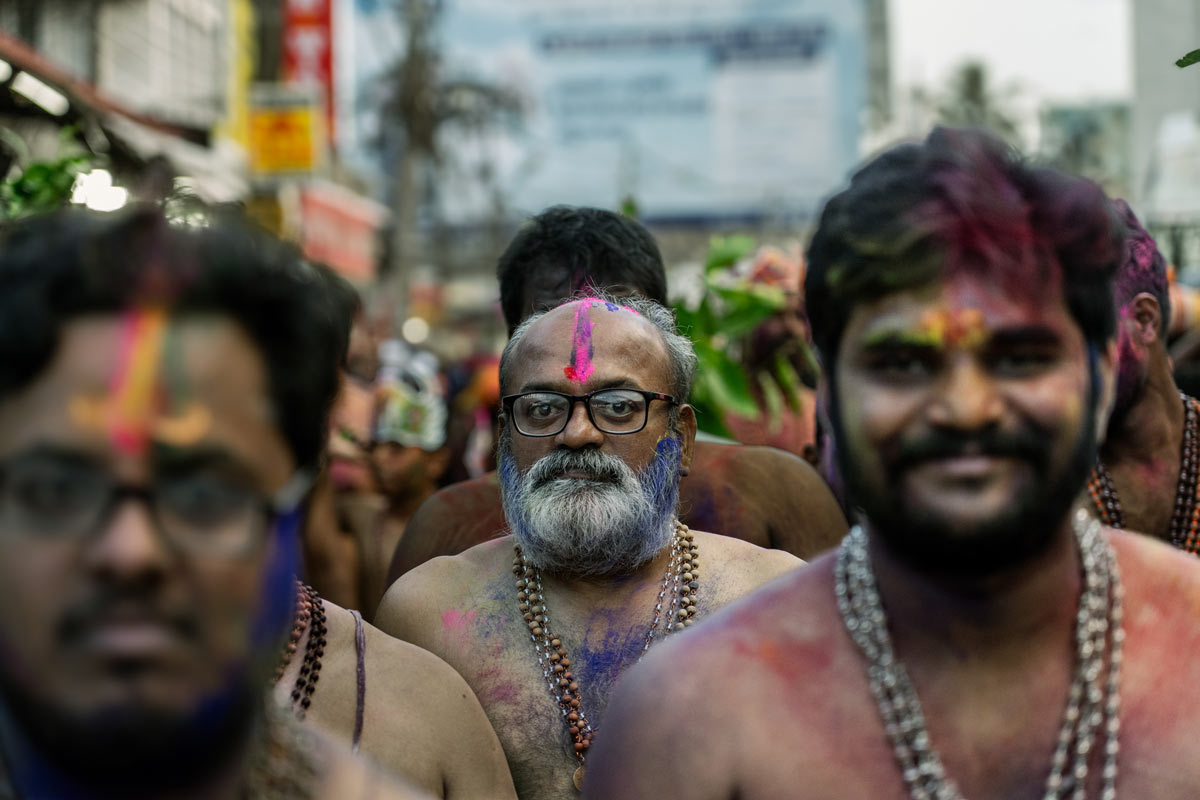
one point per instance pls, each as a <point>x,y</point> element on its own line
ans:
<point>520,692</point>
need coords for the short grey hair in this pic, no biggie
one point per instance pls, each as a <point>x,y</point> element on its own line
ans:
<point>680,352</point>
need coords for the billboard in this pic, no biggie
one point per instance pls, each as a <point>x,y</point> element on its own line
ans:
<point>308,48</point>
<point>698,110</point>
<point>285,131</point>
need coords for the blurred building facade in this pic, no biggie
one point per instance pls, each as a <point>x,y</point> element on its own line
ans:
<point>1165,127</point>
<point>141,83</point>
<point>1091,140</point>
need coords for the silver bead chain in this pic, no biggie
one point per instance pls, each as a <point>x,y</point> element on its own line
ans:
<point>1093,705</point>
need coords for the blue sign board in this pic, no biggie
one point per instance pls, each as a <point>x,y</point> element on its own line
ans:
<point>697,109</point>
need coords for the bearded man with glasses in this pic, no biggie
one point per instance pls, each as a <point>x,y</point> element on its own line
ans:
<point>163,396</point>
<point>595,436</point>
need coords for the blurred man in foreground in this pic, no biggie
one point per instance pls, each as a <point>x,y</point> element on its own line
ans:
<point>1149,466</point>
<point>595,438</point>
<point>977,636</point>
<point>759,494</point>
<point>163,392</point>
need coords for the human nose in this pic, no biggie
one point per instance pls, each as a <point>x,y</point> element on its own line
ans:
<point>579,430</point>
<point>128,546</point>
<point>968,397</point>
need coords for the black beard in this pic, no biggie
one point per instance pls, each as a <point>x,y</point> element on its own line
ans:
<point>930,544</point>
<point>133,752</point>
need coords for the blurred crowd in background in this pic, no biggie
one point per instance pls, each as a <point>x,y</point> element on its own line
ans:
<point>401,143</point>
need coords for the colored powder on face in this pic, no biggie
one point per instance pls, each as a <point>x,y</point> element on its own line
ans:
<point>135,384</point>
<point>940,329</point>
<point>962,328</point>
<point>278,601</point>
<point>131,412</point>
<point>582,348</point>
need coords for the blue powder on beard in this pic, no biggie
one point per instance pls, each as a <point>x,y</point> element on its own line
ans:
<point>660,479</point>
<point>272,616</point>
<point>278,601</point>
<point>659,482</point>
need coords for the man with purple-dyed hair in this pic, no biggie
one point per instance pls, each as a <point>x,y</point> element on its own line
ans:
<point>595,436</point>
<point>976,634</point>
<point>1146,476</point>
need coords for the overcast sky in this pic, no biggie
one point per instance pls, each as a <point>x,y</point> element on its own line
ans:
<point>1063,50</point>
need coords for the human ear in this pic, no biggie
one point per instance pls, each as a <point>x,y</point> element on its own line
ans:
<point>1147,316</point>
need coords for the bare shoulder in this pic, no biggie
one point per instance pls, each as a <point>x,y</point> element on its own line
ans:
<point>1160,678</point>
<point>1162,593</point>
<point>747,465</point>
<point>796,506</point>
<point>736,567</point>
<point>423,593</point>
<point>451,520</point>
<point>771,656</point>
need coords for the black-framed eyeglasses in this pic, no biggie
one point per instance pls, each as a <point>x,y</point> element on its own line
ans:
<point>618,411</point>
<point>202,514</point>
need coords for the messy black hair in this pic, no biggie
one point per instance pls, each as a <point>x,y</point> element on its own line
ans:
<point>73,262</point>
<point>601,247</point>
<point>962,200</point>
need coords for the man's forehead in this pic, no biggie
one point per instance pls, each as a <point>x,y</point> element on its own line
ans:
<point>144,377</point>
<point>959,310</point>
<point>574,335</point>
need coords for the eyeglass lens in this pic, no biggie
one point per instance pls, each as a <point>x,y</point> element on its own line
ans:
<point>613,411</point>
<point>62,499</point>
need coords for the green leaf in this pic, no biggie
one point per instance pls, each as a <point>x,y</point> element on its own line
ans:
<point>725,251</point>
<point>785,375</point>
<point>744,309</point>
<point>772,400</point>
<point>726,381</point>
<point>1189,59</point>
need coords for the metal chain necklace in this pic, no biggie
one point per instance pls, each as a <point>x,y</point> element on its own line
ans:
<point>1185,518</point>
<point>680,584</point>
<point>1093,706</point>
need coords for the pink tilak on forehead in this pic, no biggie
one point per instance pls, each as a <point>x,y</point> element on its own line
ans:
<point>582,349</point>
<point>134,386</point>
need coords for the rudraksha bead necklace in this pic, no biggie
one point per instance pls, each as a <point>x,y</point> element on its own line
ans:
<point>1092,713</point>
<point>1185,518</point>
<point>680,583</point>
<point>309,612</point>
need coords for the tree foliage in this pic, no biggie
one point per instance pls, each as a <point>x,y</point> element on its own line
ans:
<point>41,186</point>
<point>729,311</point>
<point>972,100</point>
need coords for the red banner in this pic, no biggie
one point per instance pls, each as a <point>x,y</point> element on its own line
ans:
<point>308,49</point>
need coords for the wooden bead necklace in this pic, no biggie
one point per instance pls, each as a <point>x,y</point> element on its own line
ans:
<point>1185,518</point>
<point>680,583</point>
<point>309,611</point>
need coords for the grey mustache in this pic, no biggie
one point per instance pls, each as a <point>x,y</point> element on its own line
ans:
<point>591,462</point>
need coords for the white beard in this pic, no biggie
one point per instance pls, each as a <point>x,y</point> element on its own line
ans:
<point>580,527</point>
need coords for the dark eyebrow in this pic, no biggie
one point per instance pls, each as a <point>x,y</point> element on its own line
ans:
<point>49,451</point>
<point>194,459</point>
<point>892,339</point>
